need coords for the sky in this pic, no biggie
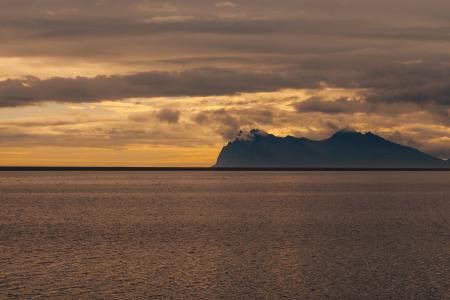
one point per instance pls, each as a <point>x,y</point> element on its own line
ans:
<point>168,83</point>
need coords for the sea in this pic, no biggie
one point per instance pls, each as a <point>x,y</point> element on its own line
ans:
<point>225,235</point>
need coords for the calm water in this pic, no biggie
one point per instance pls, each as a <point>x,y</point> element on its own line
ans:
<point>225,235</point>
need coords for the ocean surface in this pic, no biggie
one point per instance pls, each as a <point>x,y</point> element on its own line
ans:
<point>303,235</point>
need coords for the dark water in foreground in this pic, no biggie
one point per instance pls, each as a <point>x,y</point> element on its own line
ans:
<point>225,235</point>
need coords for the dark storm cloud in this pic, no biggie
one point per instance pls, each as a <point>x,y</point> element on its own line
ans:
<point>422,86</point>
<point>196,82</point>
<point>428,93</point>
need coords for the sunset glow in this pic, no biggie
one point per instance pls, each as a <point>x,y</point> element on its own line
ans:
<point>159,83</point>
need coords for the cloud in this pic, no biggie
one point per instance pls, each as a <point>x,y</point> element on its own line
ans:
<point>437,93</point>
<point>194,82</point>
<point>142,116</point>
<point>398,83</point>
<point>168,115</point>
<point>228,125</point>
<point>440,148</point>
<point>200,118</point>
<point>168,19</point>
<point>226,4</point>
<point>341,105</point>
<point>165,115</point>
<point>220,120</point>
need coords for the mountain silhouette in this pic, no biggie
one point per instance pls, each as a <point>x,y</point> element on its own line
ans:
<point>345,149</point>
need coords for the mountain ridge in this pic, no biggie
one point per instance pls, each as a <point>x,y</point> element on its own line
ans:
<point>345,148</point>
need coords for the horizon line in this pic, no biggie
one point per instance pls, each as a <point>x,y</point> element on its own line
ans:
<point>116,168</point>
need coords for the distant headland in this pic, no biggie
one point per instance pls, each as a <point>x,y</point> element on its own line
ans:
<point>344,149</point>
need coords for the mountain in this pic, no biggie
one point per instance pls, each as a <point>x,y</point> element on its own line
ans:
<point>257,148</point>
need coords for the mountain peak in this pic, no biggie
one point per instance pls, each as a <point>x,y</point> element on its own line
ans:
<point>251,135</point>
<point>346,132</point>
<point>353,135</point>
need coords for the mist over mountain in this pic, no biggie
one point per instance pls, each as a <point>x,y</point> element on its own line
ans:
<point>344,149</point>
